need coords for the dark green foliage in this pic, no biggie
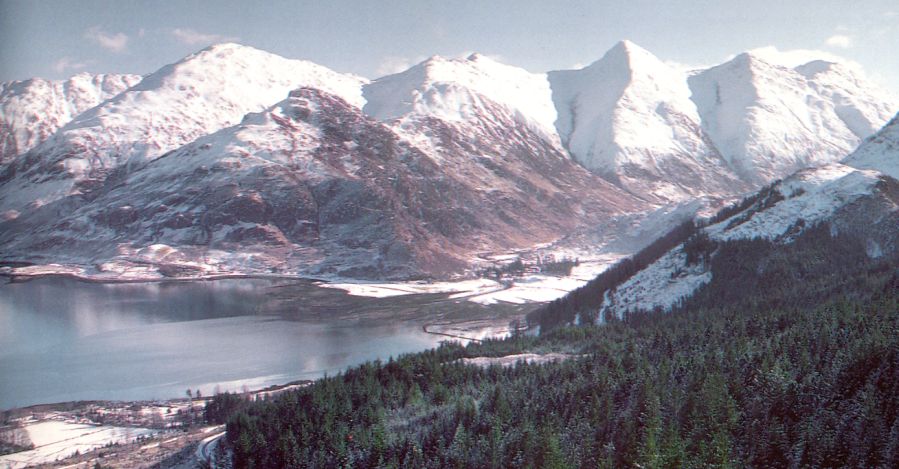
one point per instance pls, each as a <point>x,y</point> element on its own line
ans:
<point>222,406</point>
<point>789,357</point>
<point>559,267</point>
<point>731,388</point>
<point>699,248</point>
<point>761,201</point>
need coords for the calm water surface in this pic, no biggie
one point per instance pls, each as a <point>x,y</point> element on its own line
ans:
<point>64,340</point>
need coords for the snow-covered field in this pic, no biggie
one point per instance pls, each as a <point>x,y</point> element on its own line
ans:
<point>54,440</point>
<point>535,288</point>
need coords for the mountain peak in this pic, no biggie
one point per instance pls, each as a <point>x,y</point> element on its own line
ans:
<point>749,61</point>
<point>451,89</point>
<point>628,47</point>
<point>441,68</point>
<point>628,55</point>
<point>229,47</point>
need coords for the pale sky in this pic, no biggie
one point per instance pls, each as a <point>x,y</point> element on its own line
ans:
<point>55,39</point>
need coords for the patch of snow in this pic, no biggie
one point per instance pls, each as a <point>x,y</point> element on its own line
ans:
<point>54,440</point>
<point>459,289</point>
<point>661,285</point>
<point>879,152</point>
<point>531,289</point>
<point>821,192</point>
<point>510,360</point>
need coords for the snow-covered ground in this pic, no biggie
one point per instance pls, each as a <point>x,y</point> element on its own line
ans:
<point>809,196</point>
<point>510,360</point>
<point>54,440</point>
<point>388,289</point>
<point>660,285</point>
<point>812,195</point>
<point>535,288</point>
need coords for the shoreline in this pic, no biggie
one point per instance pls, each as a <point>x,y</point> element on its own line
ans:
<point>68,405</point>
<point>21,278</point>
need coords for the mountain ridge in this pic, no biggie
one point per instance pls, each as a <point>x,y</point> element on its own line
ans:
<point>495,133</point>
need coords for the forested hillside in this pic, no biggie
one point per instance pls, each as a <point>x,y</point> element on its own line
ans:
<point>789,357</point>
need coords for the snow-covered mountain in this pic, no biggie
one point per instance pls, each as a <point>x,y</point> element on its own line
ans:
<point>32,110</point>
<point>452,90</point>
<point>629,117</point>
<point>671,136</point>
<point>768,121</point>
<point>200,94</point>
<point>879,152</point>
<point>858,199</point>
<point>312,186</point>
<point>418,172</point>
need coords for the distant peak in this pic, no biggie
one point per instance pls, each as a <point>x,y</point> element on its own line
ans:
<point>745,58</point>
<point>628,45</point>
<point>223,46</point>
<point>749,60</point>
<point>228,49</point>
<point>439,64</point>
<point>434,59</point>
<point>627,55</point>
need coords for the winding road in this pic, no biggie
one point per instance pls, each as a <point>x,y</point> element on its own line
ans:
<point>205,455</point>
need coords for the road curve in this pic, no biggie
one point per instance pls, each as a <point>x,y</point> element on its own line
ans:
<point>205,455</point>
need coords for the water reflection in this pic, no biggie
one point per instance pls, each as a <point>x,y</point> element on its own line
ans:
<point>66,340</point>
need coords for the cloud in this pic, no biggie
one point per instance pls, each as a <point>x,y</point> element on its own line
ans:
<point>796,57</point>
<point>394,64</point>
<point>468,53</point>
<point>117,42</point>
<point>841,41</point>
<point>192,37</point>
<point>65,64</point>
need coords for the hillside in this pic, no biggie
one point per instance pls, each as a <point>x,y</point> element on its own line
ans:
<point>311,186</point>
<point>797,366</point>
<point>591,163</point>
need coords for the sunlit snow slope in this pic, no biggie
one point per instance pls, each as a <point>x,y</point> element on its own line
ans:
<point>32,110</point>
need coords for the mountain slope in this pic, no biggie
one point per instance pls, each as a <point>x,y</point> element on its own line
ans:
<point>834,220</point>
<point>879,152</point>
<point>509,147</point>
<point>179,103</point>
<point>32,110</point>
<point>861,105</point>
<point>310,186</point>
<point>450,90</point>
<point>629,118</point>
<point>768,121</point>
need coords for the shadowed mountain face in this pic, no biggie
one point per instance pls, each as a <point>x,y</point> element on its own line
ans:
<point>194,171</point>
<point>313,186</point>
